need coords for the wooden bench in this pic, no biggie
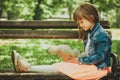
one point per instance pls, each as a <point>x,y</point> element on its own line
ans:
<point>46,30</point>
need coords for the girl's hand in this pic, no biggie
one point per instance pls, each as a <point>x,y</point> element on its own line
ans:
<point>64,56</point>
<point>67,58</point>
<point>73,60</point>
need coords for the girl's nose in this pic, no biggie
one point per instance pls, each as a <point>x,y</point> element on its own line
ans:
<point>78,24</point>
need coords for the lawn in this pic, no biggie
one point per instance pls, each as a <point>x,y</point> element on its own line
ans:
<point>35,50</point>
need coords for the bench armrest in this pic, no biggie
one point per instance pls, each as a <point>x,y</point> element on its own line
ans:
<point>115,62</point>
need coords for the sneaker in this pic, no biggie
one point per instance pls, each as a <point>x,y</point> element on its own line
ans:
<point>20,65</point>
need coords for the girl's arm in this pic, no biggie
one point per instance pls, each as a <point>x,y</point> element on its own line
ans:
<point>103,47</point>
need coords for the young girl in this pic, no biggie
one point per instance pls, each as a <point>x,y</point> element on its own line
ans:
<point>97,46</point>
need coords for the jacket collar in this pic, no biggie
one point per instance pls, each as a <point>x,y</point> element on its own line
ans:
<point>95,27</point>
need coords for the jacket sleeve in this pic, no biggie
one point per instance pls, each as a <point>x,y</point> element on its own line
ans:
<point>103,45</point>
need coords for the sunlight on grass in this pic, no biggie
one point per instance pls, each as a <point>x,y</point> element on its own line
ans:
<point>35,50</point>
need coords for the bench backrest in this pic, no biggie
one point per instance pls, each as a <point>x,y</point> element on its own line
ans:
<point>41,29</point>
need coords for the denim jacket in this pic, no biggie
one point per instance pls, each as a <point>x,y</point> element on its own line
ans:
<point>99,48</point>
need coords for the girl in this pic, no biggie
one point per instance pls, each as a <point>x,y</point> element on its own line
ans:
<point>97,47</point>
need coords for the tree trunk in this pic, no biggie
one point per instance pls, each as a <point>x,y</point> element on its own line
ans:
<point>38,11</point>
<point>0,13</point>
<point>91,1</point>
<point>118,17</point>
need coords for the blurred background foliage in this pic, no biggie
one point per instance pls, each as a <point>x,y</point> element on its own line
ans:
<point>56,9</point>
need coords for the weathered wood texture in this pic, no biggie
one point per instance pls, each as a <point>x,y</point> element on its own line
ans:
<point>41,29</point>
<point>43,24</point>
<point>33,76</point>
<point>48,34</point>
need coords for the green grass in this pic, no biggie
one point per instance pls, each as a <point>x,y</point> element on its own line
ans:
<point>116,47</point>
<point>35,50</point>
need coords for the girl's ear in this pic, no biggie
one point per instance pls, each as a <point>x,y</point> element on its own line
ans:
<point>92,18</point>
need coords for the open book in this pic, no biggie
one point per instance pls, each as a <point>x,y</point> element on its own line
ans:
<point>64,49</point>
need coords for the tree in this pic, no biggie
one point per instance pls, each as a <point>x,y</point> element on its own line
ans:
<point>38,11</point>
<point>2,8</point>
<point>108,7</point>
<point>117,22</point>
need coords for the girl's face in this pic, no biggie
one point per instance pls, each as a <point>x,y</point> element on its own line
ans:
<point>85,24</point>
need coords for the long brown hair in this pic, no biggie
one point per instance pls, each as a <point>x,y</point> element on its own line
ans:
<point>87,11</point>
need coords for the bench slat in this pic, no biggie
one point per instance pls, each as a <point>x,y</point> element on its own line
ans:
<point>48,34</point>
<point>33,76</point>
<point>43,24</point>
